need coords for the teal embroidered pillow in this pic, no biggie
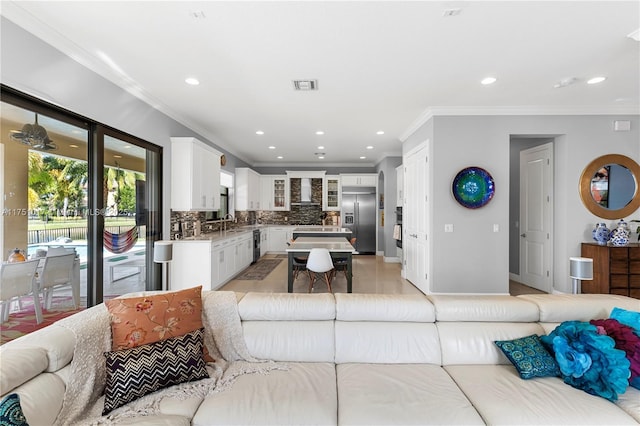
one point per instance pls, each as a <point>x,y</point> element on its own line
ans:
<point>11,411</point>
<point>530,357</point>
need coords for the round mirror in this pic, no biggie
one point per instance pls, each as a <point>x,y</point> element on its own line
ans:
<point>610,186</point>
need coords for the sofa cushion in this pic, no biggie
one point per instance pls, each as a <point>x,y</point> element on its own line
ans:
<point>578,307</point>
<point>296,341</point>
<point>484,308</point>
<point>502,397</point>
<point>630,402</point>
<point>472,342</point>
<point>20,364</point>
<point>387,342</point>
<point>41,398</point>
<point>11,411</point>
<point>58,342</point>
<point>132,373</point>
<point>383,307</point>
<point>287,307</point>
<point>530,357</point>
<point>400,394</point>
<point>157,420</point>
<point>143,320</point>
<point>304,395</point>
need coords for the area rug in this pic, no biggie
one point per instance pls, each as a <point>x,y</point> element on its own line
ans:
<point>259,270</point>
<point>24,322</point>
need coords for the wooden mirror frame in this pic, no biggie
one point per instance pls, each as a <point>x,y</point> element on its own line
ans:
<point>585,186</point>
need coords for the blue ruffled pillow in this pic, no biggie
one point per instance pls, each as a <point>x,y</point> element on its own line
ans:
<point>529,356</point>
<point>588,360</point>
<point>11,411</point>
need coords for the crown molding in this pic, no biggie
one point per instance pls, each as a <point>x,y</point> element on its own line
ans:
<point>431,112</point>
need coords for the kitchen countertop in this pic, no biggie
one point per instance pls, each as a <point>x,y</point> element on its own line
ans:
<point>322,229</point>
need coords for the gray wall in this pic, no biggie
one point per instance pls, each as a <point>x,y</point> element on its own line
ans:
<point>474,259</point>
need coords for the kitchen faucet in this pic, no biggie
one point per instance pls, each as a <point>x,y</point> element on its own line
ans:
<point>224,220</point>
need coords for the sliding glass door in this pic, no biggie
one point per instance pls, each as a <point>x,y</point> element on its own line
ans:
<point>70,183</point>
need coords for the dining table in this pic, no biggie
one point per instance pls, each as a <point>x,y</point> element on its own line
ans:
<point>339,248</point>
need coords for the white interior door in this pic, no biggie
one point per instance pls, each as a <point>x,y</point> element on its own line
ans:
<point>416,219</point>
<point>536,198</point>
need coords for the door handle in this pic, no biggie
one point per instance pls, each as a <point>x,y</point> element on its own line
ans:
<point>523,235</point>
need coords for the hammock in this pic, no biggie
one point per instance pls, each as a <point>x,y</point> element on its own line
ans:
<point>120,243</point>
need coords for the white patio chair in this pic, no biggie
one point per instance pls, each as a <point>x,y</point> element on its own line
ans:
<point>16,280</point>
<point>58,272</point>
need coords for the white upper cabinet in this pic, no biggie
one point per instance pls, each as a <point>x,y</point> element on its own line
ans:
<point>247,189</point>
<point>367,179</point>
<point>331,193</point>
<point>195,175</point>
<point>274,193</point>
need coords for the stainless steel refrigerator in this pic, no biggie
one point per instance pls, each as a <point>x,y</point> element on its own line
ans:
<point>359,215</point>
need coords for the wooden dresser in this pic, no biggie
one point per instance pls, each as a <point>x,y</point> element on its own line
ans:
<point>616,270</point>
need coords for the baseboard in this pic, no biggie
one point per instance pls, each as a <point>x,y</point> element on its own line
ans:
<point>514,277</point>
<point>391,259</point>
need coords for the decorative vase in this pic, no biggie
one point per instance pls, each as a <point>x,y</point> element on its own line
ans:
<point>601,234</point>
<point>16,256</point>
<point>620,235</point>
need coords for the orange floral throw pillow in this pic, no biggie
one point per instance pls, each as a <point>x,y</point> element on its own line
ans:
<point>143,320</point>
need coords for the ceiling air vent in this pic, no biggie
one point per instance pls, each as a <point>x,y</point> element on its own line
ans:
<point>305,84</point>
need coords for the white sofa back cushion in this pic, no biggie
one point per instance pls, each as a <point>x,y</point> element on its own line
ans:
<point>19,365</point>
<point>473,342</point>
<point>57,341</point>
<point>294,341</point>
<point>579,307</point>
<point>484,308</point>
<point>286,307</point>
<point>387,342</point>
<point>383,307</point>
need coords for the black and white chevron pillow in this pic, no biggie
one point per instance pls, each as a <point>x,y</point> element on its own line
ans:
<point>133,373</point>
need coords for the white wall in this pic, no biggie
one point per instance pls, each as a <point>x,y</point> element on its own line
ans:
<point>36,68</point>
<point>473,259</point>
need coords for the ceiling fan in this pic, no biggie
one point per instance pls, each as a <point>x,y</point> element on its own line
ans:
<point>34,136</point>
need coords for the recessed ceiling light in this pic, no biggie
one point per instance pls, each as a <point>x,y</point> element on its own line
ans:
<point>596,80</point>
<point>192,81</point>
<point>117,156</point>
<point>380,132</point>
<point>488,80</point>
<point>319,133</point>
<point>272,147</point>
<point>279,157</point>
<point>259,132</point>
<point>127,147</point>
<point>369,147</point>
<point>321,147</point>
<point>362,157</point>
<point>321,157</point>
<point>73,146</point>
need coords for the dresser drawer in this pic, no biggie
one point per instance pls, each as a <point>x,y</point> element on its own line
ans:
<point>619,281</point>
<point>634,266</point>
<point>620,291</point>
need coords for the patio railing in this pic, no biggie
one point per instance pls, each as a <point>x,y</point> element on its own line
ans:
<point>40,236</point>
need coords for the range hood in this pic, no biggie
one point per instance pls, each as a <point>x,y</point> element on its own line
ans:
<point>305,193</point>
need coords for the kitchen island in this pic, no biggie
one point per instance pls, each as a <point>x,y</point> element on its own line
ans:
<point>322,231</point>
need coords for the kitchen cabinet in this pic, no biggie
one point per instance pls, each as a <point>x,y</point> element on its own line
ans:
<point>209,263</point>
<point>195,176</point>
<point>331,193</point>
<point>279,236</point>
<point>247,189</point>
<point>274,192</point>
<point>367,179</point>
<point>616,270</point>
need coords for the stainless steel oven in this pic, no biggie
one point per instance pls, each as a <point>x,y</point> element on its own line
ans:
<point>256,245</point>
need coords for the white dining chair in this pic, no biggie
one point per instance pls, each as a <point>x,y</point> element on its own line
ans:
<point>58,272</point>
<point>319,262</point>
<point>16,280</point>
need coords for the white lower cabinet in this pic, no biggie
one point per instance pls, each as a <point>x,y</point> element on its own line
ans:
<point>209,263</point>
<point>279,236</point>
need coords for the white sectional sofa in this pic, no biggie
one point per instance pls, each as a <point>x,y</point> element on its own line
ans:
<point>357,359</point>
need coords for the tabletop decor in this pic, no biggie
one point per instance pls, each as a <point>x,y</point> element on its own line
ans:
<point>601,233</point>
<point>620,235</point>
<point>473,187</point>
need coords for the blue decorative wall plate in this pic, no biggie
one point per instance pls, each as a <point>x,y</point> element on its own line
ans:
<point>473,187</point>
